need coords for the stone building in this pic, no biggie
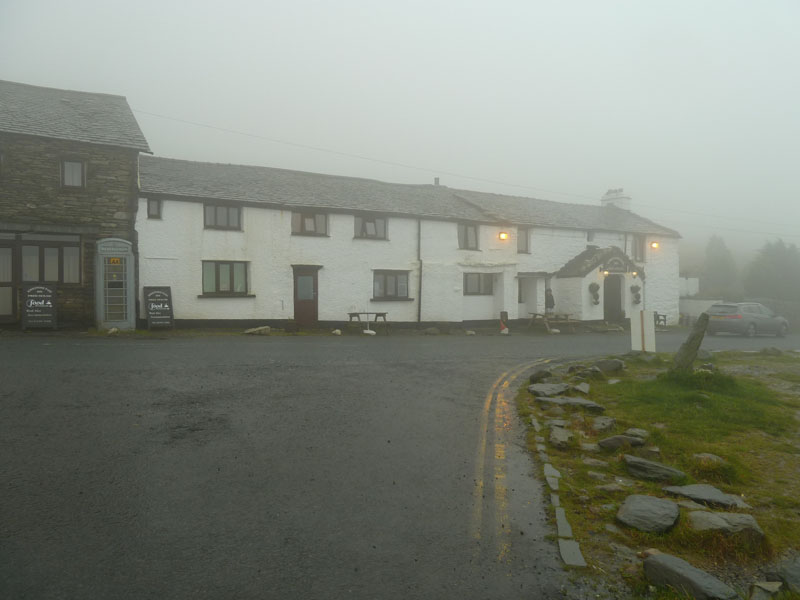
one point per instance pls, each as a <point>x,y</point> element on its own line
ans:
<point>68,182</point>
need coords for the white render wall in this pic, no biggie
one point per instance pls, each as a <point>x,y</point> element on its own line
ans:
<point>171,251</point>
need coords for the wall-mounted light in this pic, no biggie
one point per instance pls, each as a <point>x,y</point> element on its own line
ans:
<point>654,245</point>
<point>503,235</point>
<point>605,273</point>
<point>634,273</point>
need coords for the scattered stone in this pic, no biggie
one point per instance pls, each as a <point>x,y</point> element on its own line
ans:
<point>602,424</point>
<point>562,525</point>
<point>789,573</point>
<point>593,462</point>
<point>113,331</point>
<point>617,441</point>
<point>550,471</point>
<point>611,528</point>
<point>707,494</point>
<point>540,375</point>
<point>610,365</point>
<point>596,476</point>
<point>369,332</point>
<point>590,447</point>
<point>571,553</point>
<point>553,410</point>
<point>649,552</point>
<point>640,433</point>
<point>575,368</point>
<point>729,523</point>
<point>431,331</point>
<point>470,332</point>
<point>623,551</point>
<point>544,457</point>
<point>764,590</point>
<point>610,488</point>
<point>555,500</point>
<point>613,381</point>
<point>552,482</point>
<point>336,332</point>
<point>560,437</point>
<point>548,389</point>
<point>665,569</point>
<point>648,513</point>
<point>608,507</point>
<point>691,505</point>
<point>556,423</point>
<point>569,402</point>
<point>708,459</point>
<point>651,452</point>
<point>536,425</point>
<point>653,471</point>
<point>582,387</point>
<point>265,330</point>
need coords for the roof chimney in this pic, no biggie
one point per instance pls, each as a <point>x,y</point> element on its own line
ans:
<point>616,197</point>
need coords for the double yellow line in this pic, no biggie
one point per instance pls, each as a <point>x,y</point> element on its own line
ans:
<point>496,400</point>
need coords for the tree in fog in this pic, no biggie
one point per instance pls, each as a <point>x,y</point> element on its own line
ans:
<point>775,272</point>
<point>720,278</point>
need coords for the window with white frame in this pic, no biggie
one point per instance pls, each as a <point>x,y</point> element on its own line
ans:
<point>373,228</point>
<point>478,284</point>
<point>390,285</point>
<point>523,237</point>
<point>73,173</point>
<point>309,223</point>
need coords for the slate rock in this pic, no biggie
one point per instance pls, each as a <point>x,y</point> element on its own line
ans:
<point>708,458</point>
<point>636,432</point>
<point>610,365</point>
<point>548,389</point>
<point>582,387</point>
<point>559,401</point>
<point>595,475</point>
<point>560,437</point>
<point>562,525</point>
<point>555,500</point>
<point>536,425</point>
<point>590,447</point>
<point>556,423</point>
<point>648,513</point>
<point>552,482</point>
<point>765,590</point>
<point>789,574</point>
<point>617,441</point>
<point>651,452</point>
<point>265,330</point>
<point>707,494</point>
<point>610,488</point>
<point>550,471</point>
<point>571,553</point>
<point>729,523</point>
<point>651,470</point>
<point>541,374</point>
<point>593,462</point>
<point>691,505</point>
<point>665,569</point>
<point>602,424</point>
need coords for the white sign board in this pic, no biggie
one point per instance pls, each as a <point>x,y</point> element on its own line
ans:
<point>643,331</point>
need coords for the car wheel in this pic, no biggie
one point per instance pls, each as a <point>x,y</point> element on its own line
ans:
<point>751,330</point>
<point>782,330</point>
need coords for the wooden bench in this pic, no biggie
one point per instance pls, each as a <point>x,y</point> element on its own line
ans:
<point>553,320</point>
<point>378,315</point>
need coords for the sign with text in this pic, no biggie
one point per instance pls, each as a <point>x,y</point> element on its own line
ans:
<point>158,304</point>
<point>38,306</point>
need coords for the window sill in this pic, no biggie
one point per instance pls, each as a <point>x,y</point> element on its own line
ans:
<point>372,239</point>
<point>207,227</point>
<point>391,299</point>
<point>226,295</point>
<point>303,234</point>
<point>475,294</point>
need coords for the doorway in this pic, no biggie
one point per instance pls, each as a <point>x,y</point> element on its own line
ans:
<point>306,296</point>
<point>612,299</point>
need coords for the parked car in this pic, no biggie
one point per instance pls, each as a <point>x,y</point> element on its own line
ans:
<point>745,318</point>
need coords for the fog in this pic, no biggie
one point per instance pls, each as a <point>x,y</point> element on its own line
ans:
<point>690,106</point>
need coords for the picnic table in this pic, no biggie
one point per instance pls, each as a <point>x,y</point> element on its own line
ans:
<point>553,319</point>
<point>377,315</point>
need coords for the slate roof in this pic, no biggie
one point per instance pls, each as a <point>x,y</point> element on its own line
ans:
<point>280,187</point>
<point>69,115</point>
<point>594,257</point>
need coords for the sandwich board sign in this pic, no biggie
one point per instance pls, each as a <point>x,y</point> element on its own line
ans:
<point>39,306</point>
<point>158,306</point>
<point>643,331</point>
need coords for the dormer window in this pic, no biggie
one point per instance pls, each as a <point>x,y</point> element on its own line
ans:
<point>73,173</point>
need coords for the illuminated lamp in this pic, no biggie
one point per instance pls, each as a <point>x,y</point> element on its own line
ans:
<point>605,273</point>
<point>503,235</point>
<point>654,245</point>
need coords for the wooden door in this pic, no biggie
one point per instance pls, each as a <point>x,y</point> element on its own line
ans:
<point>612,299</point>
<point>306,297</point>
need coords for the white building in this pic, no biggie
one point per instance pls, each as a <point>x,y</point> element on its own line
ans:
<point>239,243</point>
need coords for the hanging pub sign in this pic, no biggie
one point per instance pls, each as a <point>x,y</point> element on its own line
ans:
<point>158,304</point>
<point>38,306</point>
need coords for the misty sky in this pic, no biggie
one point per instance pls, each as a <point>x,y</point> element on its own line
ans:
<point>691,106</point>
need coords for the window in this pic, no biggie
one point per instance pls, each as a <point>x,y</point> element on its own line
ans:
<point>50,260</point>
<point>73,173</point>
<point>390,285</point>
<point>478,284</point>
<point>523,235</point>
<point>638,248</point>
<point>309,223</point>
<point>371,228</point>
<point>154,209</point>
<point>218,217</point>
<point>467,236</point>
<point>224,278</point>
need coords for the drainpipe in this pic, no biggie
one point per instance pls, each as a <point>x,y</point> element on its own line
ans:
<point>419,260</point>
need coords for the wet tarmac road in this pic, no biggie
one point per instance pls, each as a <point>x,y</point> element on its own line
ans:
<point>284,467</point>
